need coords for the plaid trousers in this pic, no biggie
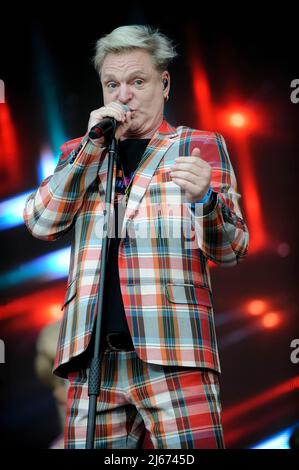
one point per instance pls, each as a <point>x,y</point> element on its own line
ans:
<point>179,406</point>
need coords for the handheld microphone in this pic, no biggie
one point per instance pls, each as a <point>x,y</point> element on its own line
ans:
<point>105,126</point>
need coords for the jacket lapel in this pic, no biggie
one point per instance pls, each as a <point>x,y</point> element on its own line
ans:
<point>162,140</point>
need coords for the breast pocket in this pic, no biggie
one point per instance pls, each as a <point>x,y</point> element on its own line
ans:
<point>188,294</point>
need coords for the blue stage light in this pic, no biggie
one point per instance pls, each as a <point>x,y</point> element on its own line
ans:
<point>43,269</point>
<point>11,211</point>
<point>277,441</point>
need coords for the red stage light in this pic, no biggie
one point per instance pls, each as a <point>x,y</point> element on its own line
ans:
<point>53,311</point>
<point>259,401</point>
<point>202,95</point>
<point>35,310</point>
<point>271,320</point>
<point>238,120</point>
<point>256,307</point>
<point>9,162</point>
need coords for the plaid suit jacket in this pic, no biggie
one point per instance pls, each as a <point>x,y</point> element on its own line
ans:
<point>163,254</point>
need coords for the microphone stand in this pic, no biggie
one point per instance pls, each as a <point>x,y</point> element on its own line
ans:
<point>95,364</point>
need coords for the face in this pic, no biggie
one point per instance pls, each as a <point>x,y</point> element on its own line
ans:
<point>132,79</point>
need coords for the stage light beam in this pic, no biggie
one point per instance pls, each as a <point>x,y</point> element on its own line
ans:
<point>238,120</point>
<point>256,307</point>
<point>271,320</point>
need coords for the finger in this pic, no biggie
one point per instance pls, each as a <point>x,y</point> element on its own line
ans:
<point>186,185</point>
<point>190,159</point>
<point>124,126</point>
<point>195,152</point>
<point>118,107</point>
<point>128,116</point>
<point>194,179</point>
<point>117,113</point>
<point>197,169</point>
<point>106,112</point>
<point>114,108</point>
<point>192,175</point>
<point>181,170</point>
<point>127,121</point>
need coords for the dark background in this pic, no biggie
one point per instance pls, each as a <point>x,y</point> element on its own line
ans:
<point>250,56</point>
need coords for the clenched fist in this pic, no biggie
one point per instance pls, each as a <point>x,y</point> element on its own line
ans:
<point>114,110</point>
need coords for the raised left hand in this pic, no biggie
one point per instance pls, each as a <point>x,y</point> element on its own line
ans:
<point>193,175</point>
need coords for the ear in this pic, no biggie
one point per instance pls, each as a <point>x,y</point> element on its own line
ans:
<point>166,83</point>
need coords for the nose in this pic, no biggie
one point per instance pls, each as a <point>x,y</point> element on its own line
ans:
<point>125,94</point>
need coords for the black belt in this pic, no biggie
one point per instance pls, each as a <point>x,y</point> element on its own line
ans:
<point>119,342</point>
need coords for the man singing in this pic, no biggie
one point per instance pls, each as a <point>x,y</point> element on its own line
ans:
<point>175,206</point>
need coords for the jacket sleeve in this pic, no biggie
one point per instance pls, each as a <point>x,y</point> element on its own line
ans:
<point>221,232</point>
<point>50,211</point>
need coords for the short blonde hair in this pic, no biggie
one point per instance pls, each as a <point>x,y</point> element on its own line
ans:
<point>129,38</point>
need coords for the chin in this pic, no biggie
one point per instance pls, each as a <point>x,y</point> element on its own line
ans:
<point>134,127</point>
<point>134,124</point>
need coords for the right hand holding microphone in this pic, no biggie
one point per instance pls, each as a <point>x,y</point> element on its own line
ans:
<point>112,110</point>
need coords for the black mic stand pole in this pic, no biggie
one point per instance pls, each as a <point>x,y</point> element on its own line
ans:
<point>95,364</point>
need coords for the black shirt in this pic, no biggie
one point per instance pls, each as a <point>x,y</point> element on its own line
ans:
<point>130,152</point>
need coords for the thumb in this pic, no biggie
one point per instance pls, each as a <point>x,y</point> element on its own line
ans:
<point>195,152</point>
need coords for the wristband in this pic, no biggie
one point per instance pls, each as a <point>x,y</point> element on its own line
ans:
<point>204,199</point>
